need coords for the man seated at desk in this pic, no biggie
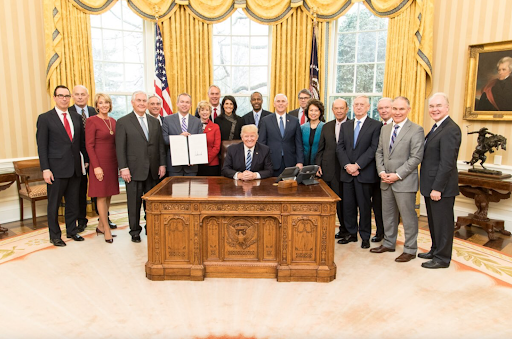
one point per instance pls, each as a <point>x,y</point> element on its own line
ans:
<point>249,159</point>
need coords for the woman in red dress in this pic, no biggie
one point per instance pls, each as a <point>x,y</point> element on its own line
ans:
<point>100,143</point>
<point>212,141</point>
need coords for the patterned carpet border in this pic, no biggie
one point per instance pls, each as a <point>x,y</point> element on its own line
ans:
<point>469,255</point>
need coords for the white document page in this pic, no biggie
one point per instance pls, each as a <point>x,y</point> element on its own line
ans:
<point>197,149</point>
<point>179,149</point>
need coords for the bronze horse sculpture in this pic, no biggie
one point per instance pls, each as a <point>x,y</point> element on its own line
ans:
<point>487,142</point>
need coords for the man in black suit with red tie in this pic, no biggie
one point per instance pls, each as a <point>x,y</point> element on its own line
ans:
<point>60,140</point>
<point>439,181</point>
<point>356,149</point>
<point>329,166</point>
<point>249,159</point>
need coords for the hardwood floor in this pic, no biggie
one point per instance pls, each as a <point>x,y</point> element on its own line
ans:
<point>473,234</point>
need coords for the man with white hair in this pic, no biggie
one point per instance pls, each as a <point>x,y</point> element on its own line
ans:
<point>249,159</point>
<point>155,107</point>
<point>281,132</point>
<point>140,154</point>
<point>439,181</point>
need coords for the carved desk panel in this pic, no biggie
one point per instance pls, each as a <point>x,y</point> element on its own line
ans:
<point>217,227</point>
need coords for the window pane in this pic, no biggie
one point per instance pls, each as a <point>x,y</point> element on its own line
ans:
<point>222,28</point>
<point>240,48</point>
<point>258,79</point>
<point>344,79</point>
<point>95,20</point>
<point>221,77</point>
<point>131,21</point>
<point>112,45</point>
<point>222,50</point>
<point>348,22</point>
<point>258,29</point>
<point>240,23</point>
<point>366,44</point>
<point>133,47</point>
<point>113,73</point>
<point>112,18</point>
<point>98,76</point>
<point>240,76</point>
<point>259,51</point>
<point>379,81</point>
<point>134,77</point>
<point>367,21</point>
<point>96,43</point>
<point>346,48</point>
<point>244,105</point>
<point>119,108</point>
<point>381,45</point>
<point>364,80</point>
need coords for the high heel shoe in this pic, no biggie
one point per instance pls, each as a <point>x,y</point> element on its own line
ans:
<point>110,241</point>
<point>98,232</point>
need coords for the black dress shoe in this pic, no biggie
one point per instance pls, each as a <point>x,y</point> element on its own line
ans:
<point>338,236</point>
<point>146,229</point>
<point>75,237</point>
<point>434,264</point>
<point>365,244</point>
<point>427,255</point>
<point>377,238</point>
<point>136,238</point>
<point>111,224</point>
<point>350,238</point>
<point>81,227</point>
<point>58,242</point>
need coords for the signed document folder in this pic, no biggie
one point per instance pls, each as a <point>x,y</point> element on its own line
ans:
<point>191,150</point>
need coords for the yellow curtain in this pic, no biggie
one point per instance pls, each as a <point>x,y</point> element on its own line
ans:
<point>188,53</point>
<point>291,52</point>
<point>68,47</point>
<point>408,70</point>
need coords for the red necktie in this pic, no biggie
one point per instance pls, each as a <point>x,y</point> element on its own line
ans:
<point>385,123</point>
<point>215,113</point>
<point>303,118</point>
<point>67,127</point>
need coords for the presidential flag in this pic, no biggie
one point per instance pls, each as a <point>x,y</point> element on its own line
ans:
<point>314,87</point>
<point>161,85</point>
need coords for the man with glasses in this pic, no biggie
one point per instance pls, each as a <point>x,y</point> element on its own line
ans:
<point>304,96</point>
<point>60,139</point>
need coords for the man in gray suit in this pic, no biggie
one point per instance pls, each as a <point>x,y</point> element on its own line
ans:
<point>398,155</point>
<point>181,123</point>
<point>140,154</point>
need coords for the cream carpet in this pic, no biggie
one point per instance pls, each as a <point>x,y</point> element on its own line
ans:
<point>92,289</point>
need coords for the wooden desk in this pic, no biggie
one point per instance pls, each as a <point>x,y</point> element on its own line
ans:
<point>483,190</point>
<point>217,227</point>
<point>6,179</point>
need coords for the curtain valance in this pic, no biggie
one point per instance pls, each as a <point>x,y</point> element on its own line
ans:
<point>268,12</point>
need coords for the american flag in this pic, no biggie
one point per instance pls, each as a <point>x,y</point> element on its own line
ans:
<point>313,68</point>
<point>161,85</point>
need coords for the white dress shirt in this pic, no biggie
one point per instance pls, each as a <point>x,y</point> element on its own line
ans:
<point>245,158</point>
<point>68,118</point>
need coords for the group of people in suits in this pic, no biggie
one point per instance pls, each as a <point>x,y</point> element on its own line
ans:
<point>354,157</point>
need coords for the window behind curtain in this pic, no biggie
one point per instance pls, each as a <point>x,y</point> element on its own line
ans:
<point>118,55</point>
<point>360,57</point>
<point>241,59</point>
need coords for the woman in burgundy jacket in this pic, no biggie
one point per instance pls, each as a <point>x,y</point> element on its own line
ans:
<point>212,140</point>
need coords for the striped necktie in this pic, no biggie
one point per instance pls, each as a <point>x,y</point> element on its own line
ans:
<point>393,137</point>
<point>248,160</point>
<point>184,124</point>
<point>84,117</point>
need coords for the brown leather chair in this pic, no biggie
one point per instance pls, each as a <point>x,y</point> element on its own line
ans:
<point>31,185</point>
<point>224,149</point>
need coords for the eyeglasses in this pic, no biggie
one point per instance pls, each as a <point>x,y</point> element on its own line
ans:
<point>304,98</point>
<point>62,96</point>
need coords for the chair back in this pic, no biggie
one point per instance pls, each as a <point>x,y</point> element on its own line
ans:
<point>27,171</point>
<point>224,149</point>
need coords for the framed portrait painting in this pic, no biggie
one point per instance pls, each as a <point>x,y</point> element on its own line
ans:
<point>489,82</point>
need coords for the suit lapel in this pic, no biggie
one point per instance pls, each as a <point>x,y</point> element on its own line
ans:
<point>60,126</point>
<point>136,122</point>
<point>400,135</point>
<point>288,126</point>
<point>350,127</point>
<point>437,131</point>
<point>276,126</point>
<point>76,125</point>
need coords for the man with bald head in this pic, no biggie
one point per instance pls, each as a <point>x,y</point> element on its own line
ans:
<point>329,166</point>
<point>439,181</point>
<point>281,132</point>
<point>399,153</point>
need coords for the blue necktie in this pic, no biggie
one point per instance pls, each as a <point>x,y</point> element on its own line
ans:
<point>184,124</point>
<point>431,131</point>
<point>393,137</point>
<point>356,132</point>
<point>281,126</point>
<point>144,128</point>
<point>248,161</point>
<point>256,119</point>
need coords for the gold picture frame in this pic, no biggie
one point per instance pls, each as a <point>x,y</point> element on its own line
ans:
<point>487,96</point>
